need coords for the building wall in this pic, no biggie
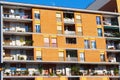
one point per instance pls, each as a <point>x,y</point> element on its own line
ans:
<point>89,24</point>
<point>49,54</point>
<point>48,25</point>
<point>37,40</point>
<point>48,20</point>
<point>92,56</point>
<point>99,45</point>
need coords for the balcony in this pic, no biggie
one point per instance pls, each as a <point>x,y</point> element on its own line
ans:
<point>111,31</point>
<point>17,40</point>
<point>110,21</point>
<point>16,27</point>
<point>69,29</point>
<point>113,44</point>
<point>71,55</point>
<point>113,57</point>
<point>68,17</point>
<point>19,54</point>
<point>17,13</point>
<point>61,70</point>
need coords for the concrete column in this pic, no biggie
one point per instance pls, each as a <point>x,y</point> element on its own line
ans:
<point>1,39</point>
<point>119,22</point>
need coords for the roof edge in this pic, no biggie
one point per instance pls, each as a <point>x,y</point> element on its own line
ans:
<point>57,8</point>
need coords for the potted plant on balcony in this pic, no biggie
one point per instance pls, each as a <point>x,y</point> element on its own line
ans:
<point>59,75</point>
<point>21,58</point>
<point>40,70</point>
<point>116,71</point>
<point>18,57</point>
<point>29,42</point>
<point>26,72</point>
<point>7,73</point>
<point>74,70</point>
<point>51,74</point>
<point>117,34</point>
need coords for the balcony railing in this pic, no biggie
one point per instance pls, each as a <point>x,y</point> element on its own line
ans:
<point>68,20</point>
<point>13,71</point>
<point>7,58</point>
<point>108,34</point>
<point>70,32</point>
<point>61,58</point>
<point>20,57</point>
<point>113,46</point>
<point>6,29</point>
<point>16,16</point>
<point>71,59</point>
<point>16,43</point>
<point>110,23</point>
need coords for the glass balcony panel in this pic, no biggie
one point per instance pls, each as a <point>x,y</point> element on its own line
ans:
<point>70,32</point>
<point>68,20</point>
<point>71,59</point>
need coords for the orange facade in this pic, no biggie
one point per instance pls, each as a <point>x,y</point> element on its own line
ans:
<point>48,26</point>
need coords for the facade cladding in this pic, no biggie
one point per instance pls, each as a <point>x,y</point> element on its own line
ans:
<point>54,43</point>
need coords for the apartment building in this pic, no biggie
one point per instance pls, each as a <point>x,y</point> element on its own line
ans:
<point>55,43</point>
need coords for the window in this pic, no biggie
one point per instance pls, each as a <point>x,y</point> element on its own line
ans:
<point>37,15</point>
<point>93,44</point>
<point>58,17</point>
<point>78,19</point>
<point>38,55</point>
<point>86,43</point>
<point>59,29</point>
<point>102,57</point>
<point>54,42</point>
<point>61,55</point>
<point>37,28</point>
<point>99,30</point>
<point>71,40</point>
<point>82,58</point>
<point>46,42</point>
<point>98,20</point>
<point>79,29</point>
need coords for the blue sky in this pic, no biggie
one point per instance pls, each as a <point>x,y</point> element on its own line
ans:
<point>62,3</point>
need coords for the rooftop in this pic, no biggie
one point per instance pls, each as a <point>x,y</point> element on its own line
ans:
<point>55,7</point>
<point>79,4</point>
